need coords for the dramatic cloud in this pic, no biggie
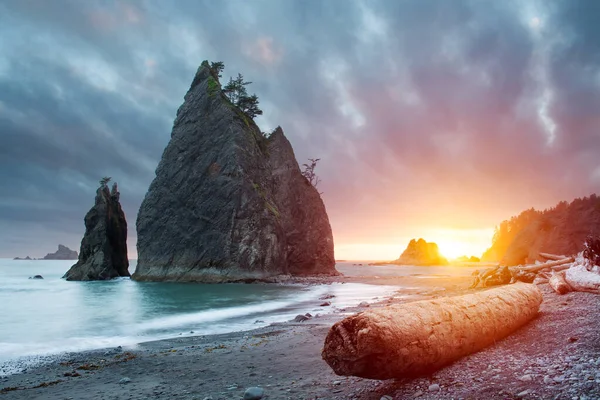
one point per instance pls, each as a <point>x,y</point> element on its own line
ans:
<point>430,117</point>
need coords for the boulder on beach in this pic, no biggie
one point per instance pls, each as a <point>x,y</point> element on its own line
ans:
<point>63,253</point>
<point>103,253</point>
<point>227,203</point>
<point>420,252</point>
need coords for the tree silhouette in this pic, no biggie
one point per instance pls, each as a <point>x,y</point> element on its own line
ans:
<point>236,92</point>
<point>104,181</point>
<point>309,172</point>
<point>218,67</point>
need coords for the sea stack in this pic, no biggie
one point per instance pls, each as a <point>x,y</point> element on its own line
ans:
<point>103,253</point>
<point>227,203</point>
<point>63,253</point>
<point>419,252</point>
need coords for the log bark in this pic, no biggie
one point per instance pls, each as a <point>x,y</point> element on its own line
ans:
<point>539,267</point>
<point>558,283</point>
<point>418,338</point>
<point>552,256</point>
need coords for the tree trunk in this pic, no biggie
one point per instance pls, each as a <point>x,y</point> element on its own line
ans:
<point>416,338</point>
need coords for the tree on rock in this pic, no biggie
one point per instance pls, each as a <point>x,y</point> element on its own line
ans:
<point>236,92</point>
<point>309,172</point>
<point>104,181</point>
<point>218,67</point>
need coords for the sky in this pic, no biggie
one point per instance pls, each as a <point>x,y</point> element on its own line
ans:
<point>434,119</point>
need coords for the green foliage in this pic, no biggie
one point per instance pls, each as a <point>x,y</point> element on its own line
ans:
<point>104,181</point>
<point>217,67</point>
<point>236,92</point>
<point>213,86</point>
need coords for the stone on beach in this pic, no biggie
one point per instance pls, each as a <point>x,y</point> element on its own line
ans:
<point>254,393</point>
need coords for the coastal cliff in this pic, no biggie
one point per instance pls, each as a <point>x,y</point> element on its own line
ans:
<point>420,252</point>
<point>561,229</point>
<point>103,253</point>
<point>227,203</point>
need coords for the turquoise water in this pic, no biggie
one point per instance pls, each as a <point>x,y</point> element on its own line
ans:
<point>50,316</point>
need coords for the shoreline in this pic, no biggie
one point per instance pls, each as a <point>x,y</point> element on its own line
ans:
<point>557,355</point>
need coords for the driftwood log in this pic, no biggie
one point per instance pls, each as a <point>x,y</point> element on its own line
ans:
<point>552,256</point>
<point>582,280</point>
<point>504,275</point>
<point>417,338</point>
<point>539,267</point>
<point>558,283</point>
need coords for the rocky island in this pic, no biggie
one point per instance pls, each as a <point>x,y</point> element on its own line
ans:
<point>420,252</point>
<point>63,253</point>
<point>228,203</point>
<point>103,253</point>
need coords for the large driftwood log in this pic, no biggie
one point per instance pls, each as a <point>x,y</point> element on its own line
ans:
<point>558,283</point>
<point>421,337</point>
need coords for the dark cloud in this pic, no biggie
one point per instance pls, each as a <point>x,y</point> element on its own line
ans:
<point>429,113</point>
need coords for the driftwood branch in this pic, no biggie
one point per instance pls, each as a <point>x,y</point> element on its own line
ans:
<point>554,257</point>
<point>421,337</point>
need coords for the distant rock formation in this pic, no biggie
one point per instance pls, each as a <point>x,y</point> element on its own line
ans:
<point>560,230</point>
<point>228,204</point>
<point>63,253</point>
<point>26,258</point>
<point>103,253</point>
<point>467,259</point>
<point>419,252</point>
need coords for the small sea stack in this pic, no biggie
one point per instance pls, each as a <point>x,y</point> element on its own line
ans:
<point>63,253</point>
<point>420,252</point>
<point>103,253</point>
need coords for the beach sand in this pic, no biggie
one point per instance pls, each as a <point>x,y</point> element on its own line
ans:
<point>555,356</point>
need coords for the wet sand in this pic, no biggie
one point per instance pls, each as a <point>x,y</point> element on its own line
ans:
<point>555,356</point>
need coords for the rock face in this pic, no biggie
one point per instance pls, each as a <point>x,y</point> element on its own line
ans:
<point>63,253</point>
<point>419,252</point>
<point>228,204</point>
<point>103,253</point>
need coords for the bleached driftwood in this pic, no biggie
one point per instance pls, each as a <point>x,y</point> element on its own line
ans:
<point>558,283</point>
<point>582,280</point>
<point>554,257</point>
<point>415,338</point>
<point>539,267</point>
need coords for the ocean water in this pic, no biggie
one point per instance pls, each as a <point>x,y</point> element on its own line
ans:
<point>52,316</point>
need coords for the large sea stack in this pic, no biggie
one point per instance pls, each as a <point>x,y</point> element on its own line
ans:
<point>227,203</point>
<point>103,253</point>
